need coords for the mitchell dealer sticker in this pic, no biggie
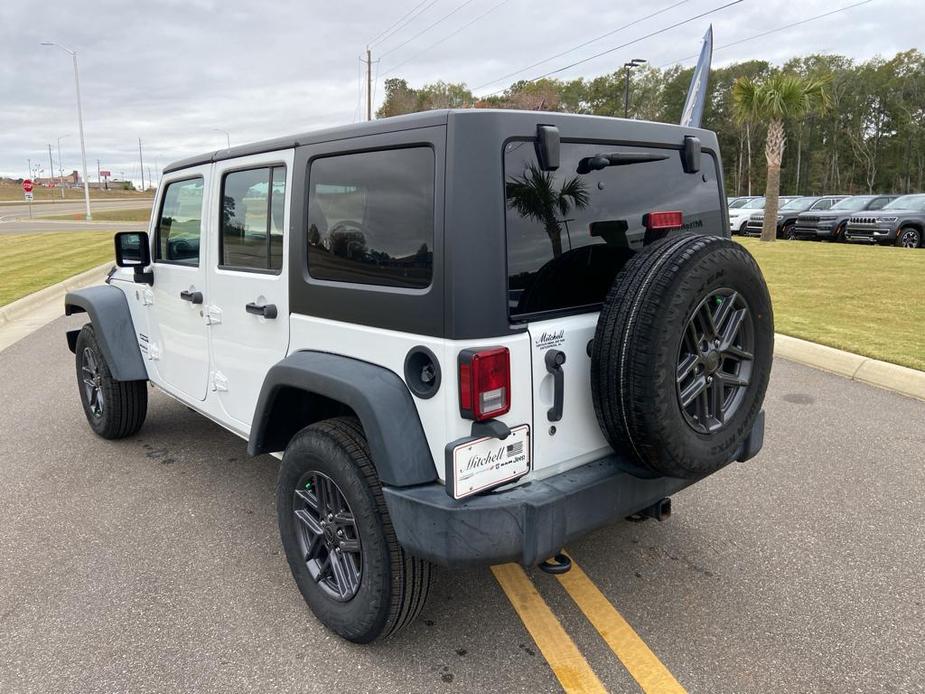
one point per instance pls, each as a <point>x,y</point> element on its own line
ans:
<point>549,339</point>
<point>488,462</point>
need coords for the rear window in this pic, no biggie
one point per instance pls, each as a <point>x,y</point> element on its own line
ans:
<point>569,233</point>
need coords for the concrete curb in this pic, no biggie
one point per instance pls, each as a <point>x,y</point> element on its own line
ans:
<point>899,379</point>
<point>22,307</point>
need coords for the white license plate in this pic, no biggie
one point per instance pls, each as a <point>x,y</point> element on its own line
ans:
<point>488,462</point>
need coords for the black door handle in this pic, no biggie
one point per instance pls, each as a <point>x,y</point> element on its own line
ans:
<point>192,297</point>
<point>554,361</point>
<point>265,310</point>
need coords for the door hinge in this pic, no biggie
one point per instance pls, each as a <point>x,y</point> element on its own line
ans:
<point>147,297</point>
<point>219,381</point>
<point>154,352</point>
<point>213,315</point>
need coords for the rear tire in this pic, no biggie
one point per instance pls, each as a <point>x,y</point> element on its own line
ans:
<point>682,354</point>
<point>382,588</point>
<point>114,409</point>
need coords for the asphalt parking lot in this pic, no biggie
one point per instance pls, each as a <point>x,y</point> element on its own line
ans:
<point>153,564</point>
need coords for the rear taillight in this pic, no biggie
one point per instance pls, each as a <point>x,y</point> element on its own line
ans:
<point>484,383</point>
<point>664,220</point>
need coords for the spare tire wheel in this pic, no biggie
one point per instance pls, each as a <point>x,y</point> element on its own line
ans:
<point>682,354</point>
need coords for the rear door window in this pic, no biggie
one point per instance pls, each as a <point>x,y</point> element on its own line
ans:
<point>371,217</point>
<point>251,224</point>
<point>569,233</point>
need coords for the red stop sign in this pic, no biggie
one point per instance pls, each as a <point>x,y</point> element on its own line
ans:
<point>27,186</point>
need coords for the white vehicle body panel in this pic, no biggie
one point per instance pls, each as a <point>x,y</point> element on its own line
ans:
<point>243,345</point>
<point>178,341</point>
<point>439,415</point>
<point>576,438</point>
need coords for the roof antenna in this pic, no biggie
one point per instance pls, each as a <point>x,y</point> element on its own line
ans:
<point>697,92</point>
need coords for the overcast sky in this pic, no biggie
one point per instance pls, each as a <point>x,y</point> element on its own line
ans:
<point>172,71</point>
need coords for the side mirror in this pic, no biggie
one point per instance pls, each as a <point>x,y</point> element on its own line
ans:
<point>133,250</point>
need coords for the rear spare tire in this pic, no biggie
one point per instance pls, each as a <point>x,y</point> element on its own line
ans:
<point>682,354</point>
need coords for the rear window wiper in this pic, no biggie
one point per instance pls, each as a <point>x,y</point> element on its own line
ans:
<point>605,159</point>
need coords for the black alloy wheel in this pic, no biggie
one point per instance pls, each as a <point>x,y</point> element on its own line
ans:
<point>92,381</point>
<point>328,536</point>
<point>715,360</point>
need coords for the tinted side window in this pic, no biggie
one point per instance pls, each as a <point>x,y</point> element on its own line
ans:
<point>371,217</point>
<point>251,226</point>
<point>179,225</point>
<point>570,231</point>
<point>822,205</point>
<point>878,203</point>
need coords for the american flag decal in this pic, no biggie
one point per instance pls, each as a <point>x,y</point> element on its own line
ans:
<point>515,448</point>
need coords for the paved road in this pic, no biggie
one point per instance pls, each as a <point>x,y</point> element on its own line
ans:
<point>20,210</point>
<point>153,564</point>
<point>14,219</point>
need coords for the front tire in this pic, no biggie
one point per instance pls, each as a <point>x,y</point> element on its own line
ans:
<point>338,537</point>
<point>908,237</point>
<point>114,409</point>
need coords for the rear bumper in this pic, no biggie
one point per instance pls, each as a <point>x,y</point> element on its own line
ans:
<point>533,521</point>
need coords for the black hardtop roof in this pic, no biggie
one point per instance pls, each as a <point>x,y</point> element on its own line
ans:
<point>410,121</point>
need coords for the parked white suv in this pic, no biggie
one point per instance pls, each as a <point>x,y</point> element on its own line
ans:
<point>471,336</point>
<point>738,216</point>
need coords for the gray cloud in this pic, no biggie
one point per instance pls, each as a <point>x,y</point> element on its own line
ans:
<point>172,71</point>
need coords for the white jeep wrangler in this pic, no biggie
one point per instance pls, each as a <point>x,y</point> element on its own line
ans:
<point>472,336</point>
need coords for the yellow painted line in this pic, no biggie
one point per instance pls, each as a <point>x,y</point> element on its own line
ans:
<point>557,647</point>
<point>636,656</point>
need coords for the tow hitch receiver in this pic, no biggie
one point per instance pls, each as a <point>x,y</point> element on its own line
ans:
<point>559,564</point>
<point>660,511</point>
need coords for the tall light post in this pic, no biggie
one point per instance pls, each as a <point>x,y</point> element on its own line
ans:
<point>227,136</point>
<point>80,123</point>
<point>634,63</point>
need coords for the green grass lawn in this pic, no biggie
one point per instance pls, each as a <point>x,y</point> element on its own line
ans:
<point>864,299</point>
<point>140,215</point>
<point>29,262</point>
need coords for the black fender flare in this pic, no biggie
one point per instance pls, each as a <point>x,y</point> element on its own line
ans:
<point>379,398</point>
<point>112,322</point>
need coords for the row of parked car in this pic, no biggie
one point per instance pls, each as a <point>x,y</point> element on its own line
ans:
<point>884,219</point>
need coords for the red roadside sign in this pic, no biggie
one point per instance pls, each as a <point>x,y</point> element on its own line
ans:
<point>27,186</point>
<point>105,174</point>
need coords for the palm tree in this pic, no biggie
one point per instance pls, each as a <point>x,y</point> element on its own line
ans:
<point>536,197</point>
<point>781,96</point>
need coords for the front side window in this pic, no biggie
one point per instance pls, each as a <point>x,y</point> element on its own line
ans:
<point>371,217</point>
<point>878,203</point>
<point>251,226</point>
<point>179,225</point>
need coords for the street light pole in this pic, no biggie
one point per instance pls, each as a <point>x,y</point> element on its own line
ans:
<point>80,124</point>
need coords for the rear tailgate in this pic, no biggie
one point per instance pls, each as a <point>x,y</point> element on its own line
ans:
<point>568,233</point>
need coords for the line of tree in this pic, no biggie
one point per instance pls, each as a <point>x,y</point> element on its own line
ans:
<point>870,137</point>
